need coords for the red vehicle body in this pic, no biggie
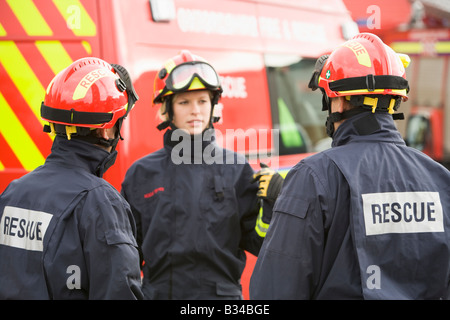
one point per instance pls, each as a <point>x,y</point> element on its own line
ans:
<point>264,50</point>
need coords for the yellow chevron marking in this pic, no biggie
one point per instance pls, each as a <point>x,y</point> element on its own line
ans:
<point>55,55</point>
<point>18,139</point>
<point>2,31</point>
<point>30,17</point>
<point>77,18</point>
<point>86,45</point>
<point>23,77</point>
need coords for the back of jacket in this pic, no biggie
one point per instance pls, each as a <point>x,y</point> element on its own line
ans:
<point>400,217</point>
<point>366,219</point>
<point>66,233</point>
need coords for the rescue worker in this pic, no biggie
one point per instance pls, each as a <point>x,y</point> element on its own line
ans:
<point>370,217</point>
<point>195,204</point>
<point>66,233</point>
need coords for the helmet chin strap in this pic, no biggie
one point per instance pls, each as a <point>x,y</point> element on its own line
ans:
<point>372,104</point>
<point>338,116</point>
<point>108,143</point>
<point>85,134</point>
<point>113,142</point>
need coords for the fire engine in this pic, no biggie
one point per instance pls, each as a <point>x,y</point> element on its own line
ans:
<point>264,50</point>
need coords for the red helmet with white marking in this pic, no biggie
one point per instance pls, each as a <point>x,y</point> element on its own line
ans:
<point>364,65</point>
<point>88,93</point>
<point>367,72</point>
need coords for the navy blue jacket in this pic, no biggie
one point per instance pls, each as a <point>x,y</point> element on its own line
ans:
<point>194,219</point>
<point>65,233</point>
<point>367,219</point>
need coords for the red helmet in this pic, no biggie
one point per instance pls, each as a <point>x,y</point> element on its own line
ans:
<point>185,72</point>
<point>365,71</point>
<point>88,93</point>
<point>363,65</point>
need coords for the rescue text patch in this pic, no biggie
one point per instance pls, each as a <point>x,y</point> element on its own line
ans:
<point>23,228</point>
<point>360,52</point>
<point>402,212</point>
<point>87,81</point>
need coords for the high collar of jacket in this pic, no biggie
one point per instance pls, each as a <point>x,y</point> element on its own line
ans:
<point>367,126</point>
<point>177,136</point>
<point>190,146</point>
<point>78,153</point>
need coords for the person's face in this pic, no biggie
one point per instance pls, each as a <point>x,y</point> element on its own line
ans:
<point>192,110</point>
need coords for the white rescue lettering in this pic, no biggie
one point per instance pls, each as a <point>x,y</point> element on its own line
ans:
<point>23,228</point>
<point>233,87</point>
<point>87,81</point>
<point>402,212</point>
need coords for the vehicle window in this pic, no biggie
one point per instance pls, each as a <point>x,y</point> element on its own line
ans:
<point>296,110</point>
<point>417,132</point>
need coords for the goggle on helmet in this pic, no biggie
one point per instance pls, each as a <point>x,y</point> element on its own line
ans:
<point>185,72</point>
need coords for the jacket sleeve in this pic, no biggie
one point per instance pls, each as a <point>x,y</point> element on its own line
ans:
<point>249,209</point>
<point>110,247</point>
<point>137,219</point>
<point>288,266</point>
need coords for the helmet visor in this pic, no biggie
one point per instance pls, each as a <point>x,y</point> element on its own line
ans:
<point>182,76</point>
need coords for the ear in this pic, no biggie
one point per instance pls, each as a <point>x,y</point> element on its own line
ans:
<point>103,133</point>
<point>338,104</point>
